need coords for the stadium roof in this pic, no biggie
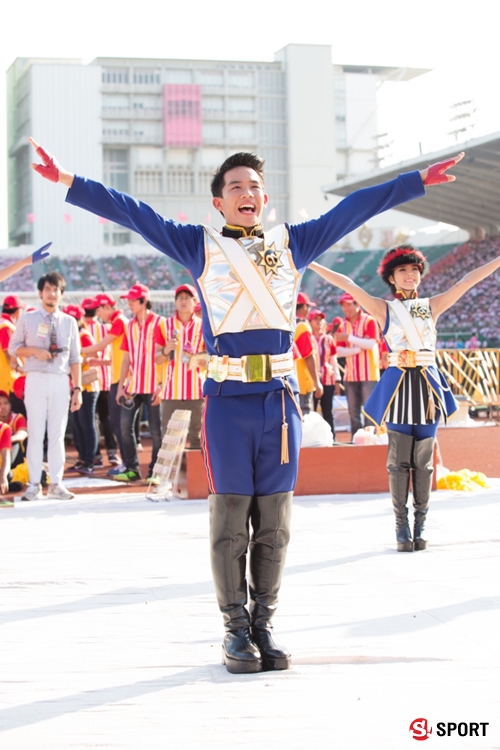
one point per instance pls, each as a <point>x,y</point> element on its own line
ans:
<point>471,203</point>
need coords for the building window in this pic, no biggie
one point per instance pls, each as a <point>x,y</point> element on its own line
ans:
<point>146,76</point>
<point>115,168</point>
<point>240,80</point>
<point>272,133</point>
<point>213,131</point>
<point>212,78</point>
<point>148,181</point>
<point>212,103</point>
<point>114,234</point>
<point>272,108</point>
<point>180,181</point>
<point>178,76</point>
<point>115,75</point>
<point>241,131</point>
<point>240,104</point>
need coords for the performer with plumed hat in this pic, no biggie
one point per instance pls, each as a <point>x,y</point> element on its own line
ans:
<point>413,394</point>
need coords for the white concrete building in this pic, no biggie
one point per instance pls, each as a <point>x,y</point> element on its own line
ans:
<point>158,128</point>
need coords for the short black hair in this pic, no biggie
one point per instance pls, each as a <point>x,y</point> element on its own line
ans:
<point>91,313</point>
<point>9,310</point>
<point>54,278</point>
<point>241,159</point>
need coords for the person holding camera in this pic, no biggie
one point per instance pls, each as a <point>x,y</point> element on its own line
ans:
<point>48,341</point>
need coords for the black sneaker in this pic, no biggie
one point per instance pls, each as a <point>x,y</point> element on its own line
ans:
<point>86,470</point>
<point>98,460</point>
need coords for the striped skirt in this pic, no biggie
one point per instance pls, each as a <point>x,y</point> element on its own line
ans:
<point>413,402</point>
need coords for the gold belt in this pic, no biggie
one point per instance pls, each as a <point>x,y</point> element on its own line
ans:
<point>409,358</point>
<point>250,368</point>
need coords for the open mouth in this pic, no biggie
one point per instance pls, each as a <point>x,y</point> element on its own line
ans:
<point>247,209</point>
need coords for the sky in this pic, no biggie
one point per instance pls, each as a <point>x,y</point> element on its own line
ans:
<point>459,48</point>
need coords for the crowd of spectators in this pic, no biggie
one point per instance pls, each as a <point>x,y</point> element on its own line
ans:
<point>471,321</point>
<point>474,318</point>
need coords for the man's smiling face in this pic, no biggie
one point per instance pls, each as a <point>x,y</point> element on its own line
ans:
<point>243,198</point>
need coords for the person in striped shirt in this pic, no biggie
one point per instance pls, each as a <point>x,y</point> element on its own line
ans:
<point>178,339</point>
<point>98,331</point>
<point>138,382</point>
<point>17,437</point>
<point>116,321</point>
<point>361,370</point>
<point>328,367</point>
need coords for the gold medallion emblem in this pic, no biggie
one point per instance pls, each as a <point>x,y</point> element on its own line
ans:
<point>418,310</point>
<point>270,259</point>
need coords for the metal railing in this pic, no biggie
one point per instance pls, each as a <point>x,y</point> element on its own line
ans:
<point>472,373</point>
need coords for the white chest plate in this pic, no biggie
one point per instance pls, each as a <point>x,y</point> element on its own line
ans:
<point>249,283</point>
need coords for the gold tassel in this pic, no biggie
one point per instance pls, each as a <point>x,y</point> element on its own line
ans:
<point>285,459</point>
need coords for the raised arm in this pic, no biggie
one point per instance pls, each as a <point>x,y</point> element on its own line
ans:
<point>183,243</point>
<point>375,306</point>
<point>441,302</point>
<point>312,238</point>
<point>40,254</point>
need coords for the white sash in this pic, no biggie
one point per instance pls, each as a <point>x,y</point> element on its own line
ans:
<point>407,324</point>
<point>255,294</point>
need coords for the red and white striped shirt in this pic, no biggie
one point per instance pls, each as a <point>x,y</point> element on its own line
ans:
<point>327,350</point>
<point>365,365</point>
<point>99,331</point>
<point>180,382</point>
<point>139,342</point>
<point>5,436</point>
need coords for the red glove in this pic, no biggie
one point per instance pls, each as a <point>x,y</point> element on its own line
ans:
<point>436,172</point>
<point>50,168</point>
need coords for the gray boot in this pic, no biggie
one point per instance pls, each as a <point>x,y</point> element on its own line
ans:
<point>271,516</point>
<point>229,538</point>
<point>399,463</point>
<point>423,468</point>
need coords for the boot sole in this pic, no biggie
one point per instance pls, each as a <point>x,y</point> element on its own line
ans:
<point>420,545</point>
<point>238,666</point>
<point>274,664</point>
<point>405,547</point>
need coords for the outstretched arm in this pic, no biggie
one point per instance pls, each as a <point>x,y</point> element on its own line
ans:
<point>183,243</point>
<point>310,239</point>
<point>39,254</point>
<point>441,302</point>
<point>373,305</point>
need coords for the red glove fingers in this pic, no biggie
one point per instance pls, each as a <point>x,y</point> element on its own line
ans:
<point>436,172</point>
<point>49,169</point>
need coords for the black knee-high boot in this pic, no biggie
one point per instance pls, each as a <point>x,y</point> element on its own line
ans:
<point>271,516</point>
<point>229,537</point>
<point>399,463</point>
<point>423,469</point>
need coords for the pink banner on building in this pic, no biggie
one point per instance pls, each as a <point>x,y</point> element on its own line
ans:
<point>181,115</point>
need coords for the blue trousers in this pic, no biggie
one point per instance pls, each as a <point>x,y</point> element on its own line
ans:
<point>128,419</point>
<point>241,443</point>
<point>84,427</point>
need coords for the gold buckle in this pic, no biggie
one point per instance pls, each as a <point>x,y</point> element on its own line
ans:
<point>219,368</point>
<point>256,368</point>
<point>407,358</point>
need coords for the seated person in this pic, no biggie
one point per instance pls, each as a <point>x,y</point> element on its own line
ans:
<point>13,434</point>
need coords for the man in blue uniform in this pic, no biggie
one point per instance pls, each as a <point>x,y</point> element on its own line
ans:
<point>247,282</point>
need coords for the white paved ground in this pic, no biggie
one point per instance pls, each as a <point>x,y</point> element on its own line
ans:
<point>110,635</point>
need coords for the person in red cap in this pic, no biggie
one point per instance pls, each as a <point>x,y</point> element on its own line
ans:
<point>305,355</point>
<point>178,340</point>
<point>247,281</point>
<point>139,381</point>
<point>357,340</point>
<point>328,366</point>
<point>413,394</point>
<point>102,361</point>
<point>116,322</point>
<point>12,309</point>
<point>83,421</point>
